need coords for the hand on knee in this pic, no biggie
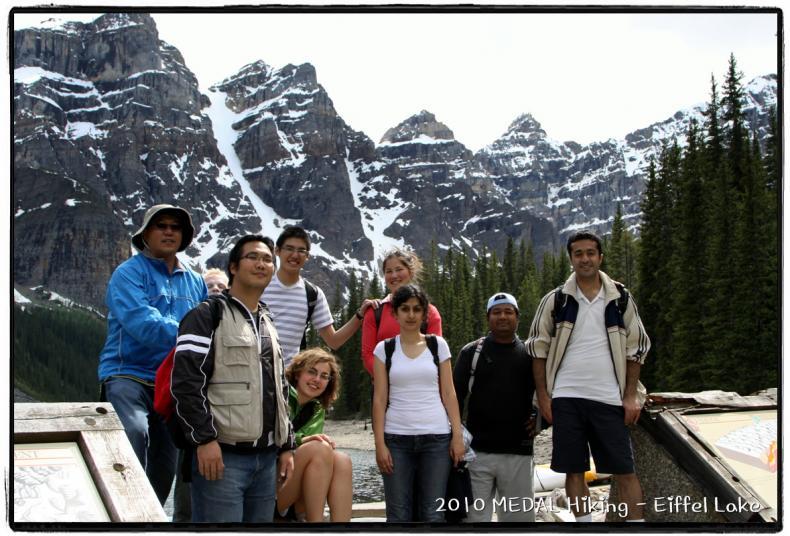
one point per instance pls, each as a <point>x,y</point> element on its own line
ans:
<point>318,451</point>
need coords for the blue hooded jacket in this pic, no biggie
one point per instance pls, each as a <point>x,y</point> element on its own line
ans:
<point>146,304</point>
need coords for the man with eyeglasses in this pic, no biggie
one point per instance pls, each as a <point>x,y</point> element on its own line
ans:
<point>147,296</point>
<point>231,395</point>
<point>493,376</point>
<point>294,301</point>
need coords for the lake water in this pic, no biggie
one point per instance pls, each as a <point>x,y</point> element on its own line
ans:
<point>366,479</point>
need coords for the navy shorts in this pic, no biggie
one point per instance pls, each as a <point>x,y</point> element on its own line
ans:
<point>584,426</point>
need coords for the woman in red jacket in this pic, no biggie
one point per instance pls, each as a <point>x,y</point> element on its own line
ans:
<point>400,267</point>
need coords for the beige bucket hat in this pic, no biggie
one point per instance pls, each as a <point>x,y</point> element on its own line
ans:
<point>188,230</point>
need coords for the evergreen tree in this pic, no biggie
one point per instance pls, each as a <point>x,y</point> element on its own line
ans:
<point>376,289</point>
<point>495,275</point>
<point>547,272</point>
<point>528,296</point>
<point>773,153</point>
<point>562,268</point>
<point>349,354</point>
<point>736,137</point>
<point>523,258</point>
<point>686,266</point>
<point>718,224</point>
<point>509,262</point>
<point>461,331</point>
<point>749,363</point>
<point>431,275</point>
<point>654,284</point>
<point>614,251</point>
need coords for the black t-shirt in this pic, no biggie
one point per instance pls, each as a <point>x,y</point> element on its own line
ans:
<point>500,404</point>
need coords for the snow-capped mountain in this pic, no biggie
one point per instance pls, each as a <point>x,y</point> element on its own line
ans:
<point>109,120</point>
<point>577,186</point>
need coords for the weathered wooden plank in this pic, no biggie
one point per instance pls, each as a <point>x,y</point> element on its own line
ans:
<point>116,472</point>
<point>120,478</point>
<point>64,417</point>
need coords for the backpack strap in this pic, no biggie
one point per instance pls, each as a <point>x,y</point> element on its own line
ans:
<point>305,414</point>
<point>622,301</point>
<point>433,346</point>
<point>312,298</point>
<point>215,303</point>
<point>478,349</point>
<point>389,349</point>
<point>560,300</point>
<point>377,316</point>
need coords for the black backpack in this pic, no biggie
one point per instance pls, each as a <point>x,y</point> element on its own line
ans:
<point>389,349</point>
<point>312,299</point>
<point>561,301</point>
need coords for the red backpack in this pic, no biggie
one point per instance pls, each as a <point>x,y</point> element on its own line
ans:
<point>164,404</point>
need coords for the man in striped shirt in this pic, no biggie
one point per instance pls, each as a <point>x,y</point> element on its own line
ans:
<point>287,298</point>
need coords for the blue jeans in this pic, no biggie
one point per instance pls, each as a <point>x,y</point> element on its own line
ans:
<point>147,432</point>
<point>245,494</point>
<point>419,462</point>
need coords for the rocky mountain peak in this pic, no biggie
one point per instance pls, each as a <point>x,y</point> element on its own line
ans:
<point>421,124</point>
<point>252,74</point>
<point>258,82</point>
<point>527,124</point>
<point>116,21</point>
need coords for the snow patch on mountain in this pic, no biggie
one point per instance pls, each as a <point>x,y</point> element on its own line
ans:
<point>222,120</point>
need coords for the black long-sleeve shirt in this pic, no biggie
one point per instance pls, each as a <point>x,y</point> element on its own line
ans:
<point>500,404</point>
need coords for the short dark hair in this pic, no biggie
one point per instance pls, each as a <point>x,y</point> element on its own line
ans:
<point>234,257</point>
<point>584,234</point>
<point>293,231</point>
<point>405,293</point>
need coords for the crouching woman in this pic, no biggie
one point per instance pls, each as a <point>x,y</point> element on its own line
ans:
<point>321,474</point>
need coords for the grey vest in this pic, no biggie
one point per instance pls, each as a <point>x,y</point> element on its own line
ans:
<point>235,390</point>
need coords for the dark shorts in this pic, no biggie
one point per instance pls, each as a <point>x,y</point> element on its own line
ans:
<point>584,426</point>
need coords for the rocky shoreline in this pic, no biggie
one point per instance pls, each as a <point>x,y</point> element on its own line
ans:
<point>358,434</point>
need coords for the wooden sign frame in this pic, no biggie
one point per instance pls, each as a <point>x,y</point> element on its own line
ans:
<point>116,472</point>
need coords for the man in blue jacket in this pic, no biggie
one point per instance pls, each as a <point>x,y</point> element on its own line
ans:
<point>147,297</point>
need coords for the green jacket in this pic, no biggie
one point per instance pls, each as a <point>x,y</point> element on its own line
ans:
<point>312,422</point>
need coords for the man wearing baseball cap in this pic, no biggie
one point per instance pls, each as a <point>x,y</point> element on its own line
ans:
<point>147,297</point>
<point>495,374</point>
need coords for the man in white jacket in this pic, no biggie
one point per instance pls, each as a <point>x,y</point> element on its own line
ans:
<point>588,345</point>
